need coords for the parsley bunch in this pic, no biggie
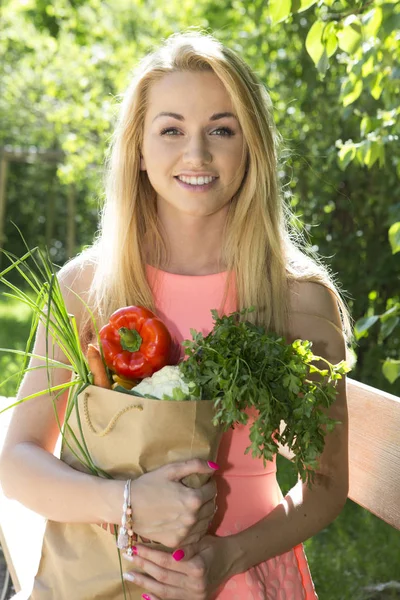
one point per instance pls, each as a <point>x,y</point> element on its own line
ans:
<point>240,365</point>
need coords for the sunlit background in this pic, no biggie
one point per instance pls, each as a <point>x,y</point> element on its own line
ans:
<point>332,70</point>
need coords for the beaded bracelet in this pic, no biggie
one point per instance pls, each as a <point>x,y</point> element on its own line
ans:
<point>125,534</point>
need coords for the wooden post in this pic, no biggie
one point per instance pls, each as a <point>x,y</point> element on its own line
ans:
<point>3,183</point>
<point>71,221</point>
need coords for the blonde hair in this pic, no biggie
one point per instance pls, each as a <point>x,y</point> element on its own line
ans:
<point>260,245</point>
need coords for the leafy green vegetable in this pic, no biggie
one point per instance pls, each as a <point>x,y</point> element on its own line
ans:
<point>239,365</point>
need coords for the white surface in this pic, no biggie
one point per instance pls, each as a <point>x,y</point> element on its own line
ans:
<point>22,529</point>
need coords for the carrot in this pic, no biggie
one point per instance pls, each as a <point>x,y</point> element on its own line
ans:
<point>97,368</point>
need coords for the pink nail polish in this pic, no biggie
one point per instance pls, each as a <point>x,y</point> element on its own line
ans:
<point>178,554</point>
<point>146,597</point>
<point>212,464</point>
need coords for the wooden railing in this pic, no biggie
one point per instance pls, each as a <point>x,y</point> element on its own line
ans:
<point>374,447</point>
<point>374,457</point>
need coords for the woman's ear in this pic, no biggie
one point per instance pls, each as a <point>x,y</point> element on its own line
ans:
<point>142,164</point>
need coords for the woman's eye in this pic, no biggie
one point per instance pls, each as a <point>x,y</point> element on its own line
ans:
<point>168,130</point>
<point>221,132</point>
<point>227,132</point>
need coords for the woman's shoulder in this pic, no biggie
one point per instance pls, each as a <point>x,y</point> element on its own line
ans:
<point>78,272</point>
<point>314,315</point>
<point>313,298</point>
<point>75,278</point>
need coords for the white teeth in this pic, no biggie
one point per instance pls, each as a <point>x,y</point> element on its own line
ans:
<point>196,180</point>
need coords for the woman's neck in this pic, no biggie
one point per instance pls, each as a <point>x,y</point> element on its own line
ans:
<point>194,243</point>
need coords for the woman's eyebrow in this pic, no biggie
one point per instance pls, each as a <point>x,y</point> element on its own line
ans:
<point>214,117</point>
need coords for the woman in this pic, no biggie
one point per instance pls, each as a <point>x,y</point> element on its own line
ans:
<point>194,220</point>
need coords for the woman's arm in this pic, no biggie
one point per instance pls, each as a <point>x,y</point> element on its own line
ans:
<point>29,472</point>
<point>304,512</point>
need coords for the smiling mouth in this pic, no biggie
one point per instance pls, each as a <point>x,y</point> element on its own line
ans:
<point>195,187</point>
<point>189,178</point>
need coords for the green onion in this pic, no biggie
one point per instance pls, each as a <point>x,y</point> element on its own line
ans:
<point>48,307</point>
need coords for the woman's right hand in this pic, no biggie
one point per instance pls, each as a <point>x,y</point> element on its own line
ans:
<point>164,510</point>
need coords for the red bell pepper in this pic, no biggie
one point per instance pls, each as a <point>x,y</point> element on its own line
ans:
<point>136,343</point>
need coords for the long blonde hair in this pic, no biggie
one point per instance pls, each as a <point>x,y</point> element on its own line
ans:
<point>260,246</point>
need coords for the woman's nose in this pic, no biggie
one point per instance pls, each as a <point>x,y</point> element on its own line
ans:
<point>197,152</point>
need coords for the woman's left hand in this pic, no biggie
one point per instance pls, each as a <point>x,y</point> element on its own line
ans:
<point>197,576</point>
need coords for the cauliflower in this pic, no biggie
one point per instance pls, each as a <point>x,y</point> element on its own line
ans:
<point>166,384</point>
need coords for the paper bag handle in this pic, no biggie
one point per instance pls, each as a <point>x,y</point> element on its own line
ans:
<point>112,422</point>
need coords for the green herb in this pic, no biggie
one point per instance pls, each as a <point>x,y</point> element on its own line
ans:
<point>239,365</point>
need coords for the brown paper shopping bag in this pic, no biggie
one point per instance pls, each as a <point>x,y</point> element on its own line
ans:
<point>126,436</point>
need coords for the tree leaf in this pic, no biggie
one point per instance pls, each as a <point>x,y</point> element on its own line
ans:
<point>390,311</point>
<point>350,37</point>
<point>376,88</point>
<point>346,154</point>
<point>365,126</point>
<point>394,237</point>
<point>355,88</point>
<point>314,44</point>
<point>368,66</point>
<point>391,369</point>
<point>388,326</point>
<point>372,153</point>
<point>331,43</point>
<point>323,63</point>
<point>372,20</point>
<point>299,6</point>
<point>363,324</point>
<point>279,10</point>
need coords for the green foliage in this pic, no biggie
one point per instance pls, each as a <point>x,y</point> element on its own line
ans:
<point>61,84</point>
<point>343,560</point>
<point>65,64</point>
<point>239,366</point>
<point>363,36</point>
<point>366,32</point>
<point>15,324</point>
<point>394,237</point>
<point>389,320</point>
<point>343,553</point>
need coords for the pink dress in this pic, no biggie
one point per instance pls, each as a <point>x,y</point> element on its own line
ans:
<point>246,490</point>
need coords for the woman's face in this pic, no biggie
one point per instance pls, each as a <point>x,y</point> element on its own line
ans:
<point>191,132</point>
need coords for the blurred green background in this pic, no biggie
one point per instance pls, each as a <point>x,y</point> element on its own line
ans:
<point>332,70</point>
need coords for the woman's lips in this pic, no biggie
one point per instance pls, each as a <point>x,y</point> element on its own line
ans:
<point>196,188</point>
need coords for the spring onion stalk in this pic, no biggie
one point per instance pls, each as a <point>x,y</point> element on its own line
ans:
<point>48,307</point>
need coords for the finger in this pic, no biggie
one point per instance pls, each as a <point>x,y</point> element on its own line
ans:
<point>190,580</point>
<point>185,555</point>
<point>168,577</point>
<point>207,511</point>
<point>208,491</point>
<point>189,552</point>
<point>156,588</point>
<point>162,559</point>
<point>178,470</point>
<point>178,561</point>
